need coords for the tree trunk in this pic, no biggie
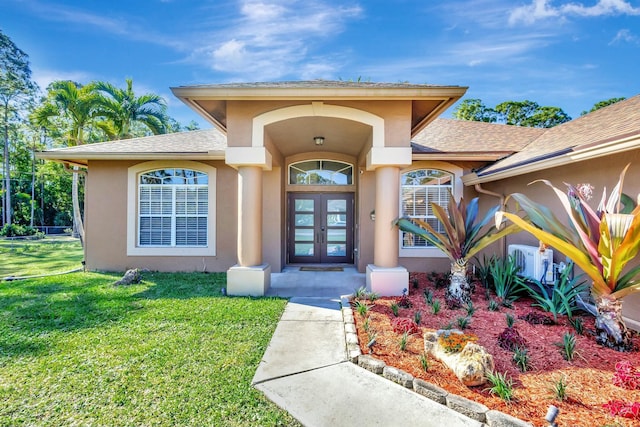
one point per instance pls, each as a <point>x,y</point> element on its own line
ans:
<point>610,328</point>
<point>7,167</point>
<point>77,216</point>
<point>459,289</point>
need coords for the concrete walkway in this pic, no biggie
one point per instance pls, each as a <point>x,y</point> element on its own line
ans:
<point>306,372</point>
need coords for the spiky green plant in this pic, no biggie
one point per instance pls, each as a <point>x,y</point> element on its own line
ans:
<point>394,309</point>
<point>521,358</point>
<point>417,317</point>
<point>601,242</point>
<point>559,299</point>
<point>404,340</point>
<point>568,346</point>
<point>560,388</point>
<point>435,306</point>
<point>510,320</point>
<point>424,362</point>
<point>501,385</point>
<point>493,305</point>
<point>463,322</point>
<point>465,235</point>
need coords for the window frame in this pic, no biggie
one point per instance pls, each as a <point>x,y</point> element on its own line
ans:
<point>347,165</point>
<point>456,189</point>
<point>133,214</point>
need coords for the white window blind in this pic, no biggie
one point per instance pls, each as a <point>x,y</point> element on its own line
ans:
<point>421,188</point>
<point>173,208</point>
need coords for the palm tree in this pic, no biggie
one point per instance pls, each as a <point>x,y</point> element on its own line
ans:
<point>123,109</point>
<point>600,242</point>
<point>463,238</point>
<point>77,105</point>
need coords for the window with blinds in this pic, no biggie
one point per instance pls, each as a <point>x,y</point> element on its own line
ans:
<point>173,208</point>
<point>421,188</point>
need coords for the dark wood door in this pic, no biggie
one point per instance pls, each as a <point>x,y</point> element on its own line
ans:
<point>320,228</point>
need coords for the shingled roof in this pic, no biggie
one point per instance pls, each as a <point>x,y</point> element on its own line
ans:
<point>197,145</point>
<point>448,136</point>
<point>616,123</point>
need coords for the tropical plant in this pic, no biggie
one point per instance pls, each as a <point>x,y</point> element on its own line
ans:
<point>424,361</point>
<point>501,385</point>
<point>561,298</point>
<point>568,346</point>
<point>76,104</point>
<point>505,279</point>
<point>560,388</point>
<point>601,242</point>
<point>123,109</point>
<point>395,309</point>
<point>521,358</point>
<point>464,236</point>
<point>493,305</point>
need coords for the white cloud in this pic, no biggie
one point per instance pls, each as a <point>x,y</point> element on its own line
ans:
<point>44,77</point>
<point>272,38</point>
<point>625,36</point>
<point>542,9</point>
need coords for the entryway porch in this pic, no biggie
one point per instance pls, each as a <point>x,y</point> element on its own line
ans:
<point>292,282</point>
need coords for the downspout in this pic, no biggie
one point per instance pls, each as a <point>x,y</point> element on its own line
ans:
<point>479,189</point>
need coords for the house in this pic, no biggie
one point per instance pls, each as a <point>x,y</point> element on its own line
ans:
<point>315,172</point>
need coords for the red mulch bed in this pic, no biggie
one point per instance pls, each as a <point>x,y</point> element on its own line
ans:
<point>588,376</point>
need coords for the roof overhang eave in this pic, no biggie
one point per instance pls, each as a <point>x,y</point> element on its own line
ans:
<point>480,157</point>
<point>82,159</point>
<point>578,154</point>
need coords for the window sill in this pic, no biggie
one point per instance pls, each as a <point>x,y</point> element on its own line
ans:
<point>172,251</point>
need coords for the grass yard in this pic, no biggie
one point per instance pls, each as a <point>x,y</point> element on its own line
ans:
<point>33,257</point>
<point>76,350</point>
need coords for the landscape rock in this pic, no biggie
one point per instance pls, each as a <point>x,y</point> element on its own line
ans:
<point>398,376</point>
<point>130,277</point>
<point>470,365</point>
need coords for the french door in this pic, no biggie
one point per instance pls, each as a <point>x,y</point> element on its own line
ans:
<point>320,228</point>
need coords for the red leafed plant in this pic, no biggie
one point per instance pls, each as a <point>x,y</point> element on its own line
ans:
<point>404,324</point>
<point>510,339</point>
<point>623,409</point>
<point>626,376</point>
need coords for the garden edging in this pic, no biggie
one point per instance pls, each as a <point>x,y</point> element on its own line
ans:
<point>469,408</point>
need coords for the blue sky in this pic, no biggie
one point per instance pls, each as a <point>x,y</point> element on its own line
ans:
<point>569,54</point>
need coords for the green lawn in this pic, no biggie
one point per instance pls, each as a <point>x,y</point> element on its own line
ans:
<point>32,257</point>
<point>76,350</point>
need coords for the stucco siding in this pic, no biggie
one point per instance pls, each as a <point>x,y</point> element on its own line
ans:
<point>600,173</point>
<point>106,223</point>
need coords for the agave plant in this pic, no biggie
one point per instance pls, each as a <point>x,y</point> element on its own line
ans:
<point>600,242</point>
<point>464,236</point>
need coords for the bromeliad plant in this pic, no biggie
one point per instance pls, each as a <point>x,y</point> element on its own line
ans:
<point>464,236</point>
<point>601,242</point>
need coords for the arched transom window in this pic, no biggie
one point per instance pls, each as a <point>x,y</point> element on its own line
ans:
<point>320,172</point>
<point>419,189</point>
<point>173,207</point>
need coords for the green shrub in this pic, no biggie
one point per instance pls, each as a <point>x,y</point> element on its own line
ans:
<point>568,346</point>
<point>501,386</point>
<point>17,230</point>
<point>506,282</point>
<point>521,358</point>
<point>561,299</point>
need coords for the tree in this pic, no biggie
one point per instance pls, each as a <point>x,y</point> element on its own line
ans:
<point>123,109</point>
<point>516,113</point>
<point>77,105</point>
<point>465,235</point>
<point>15,86</point>
<point>602,104</point>
<point>474,110</point>
<point>601,242</point>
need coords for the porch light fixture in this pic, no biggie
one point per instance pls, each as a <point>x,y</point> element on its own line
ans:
<point>318,140</point>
